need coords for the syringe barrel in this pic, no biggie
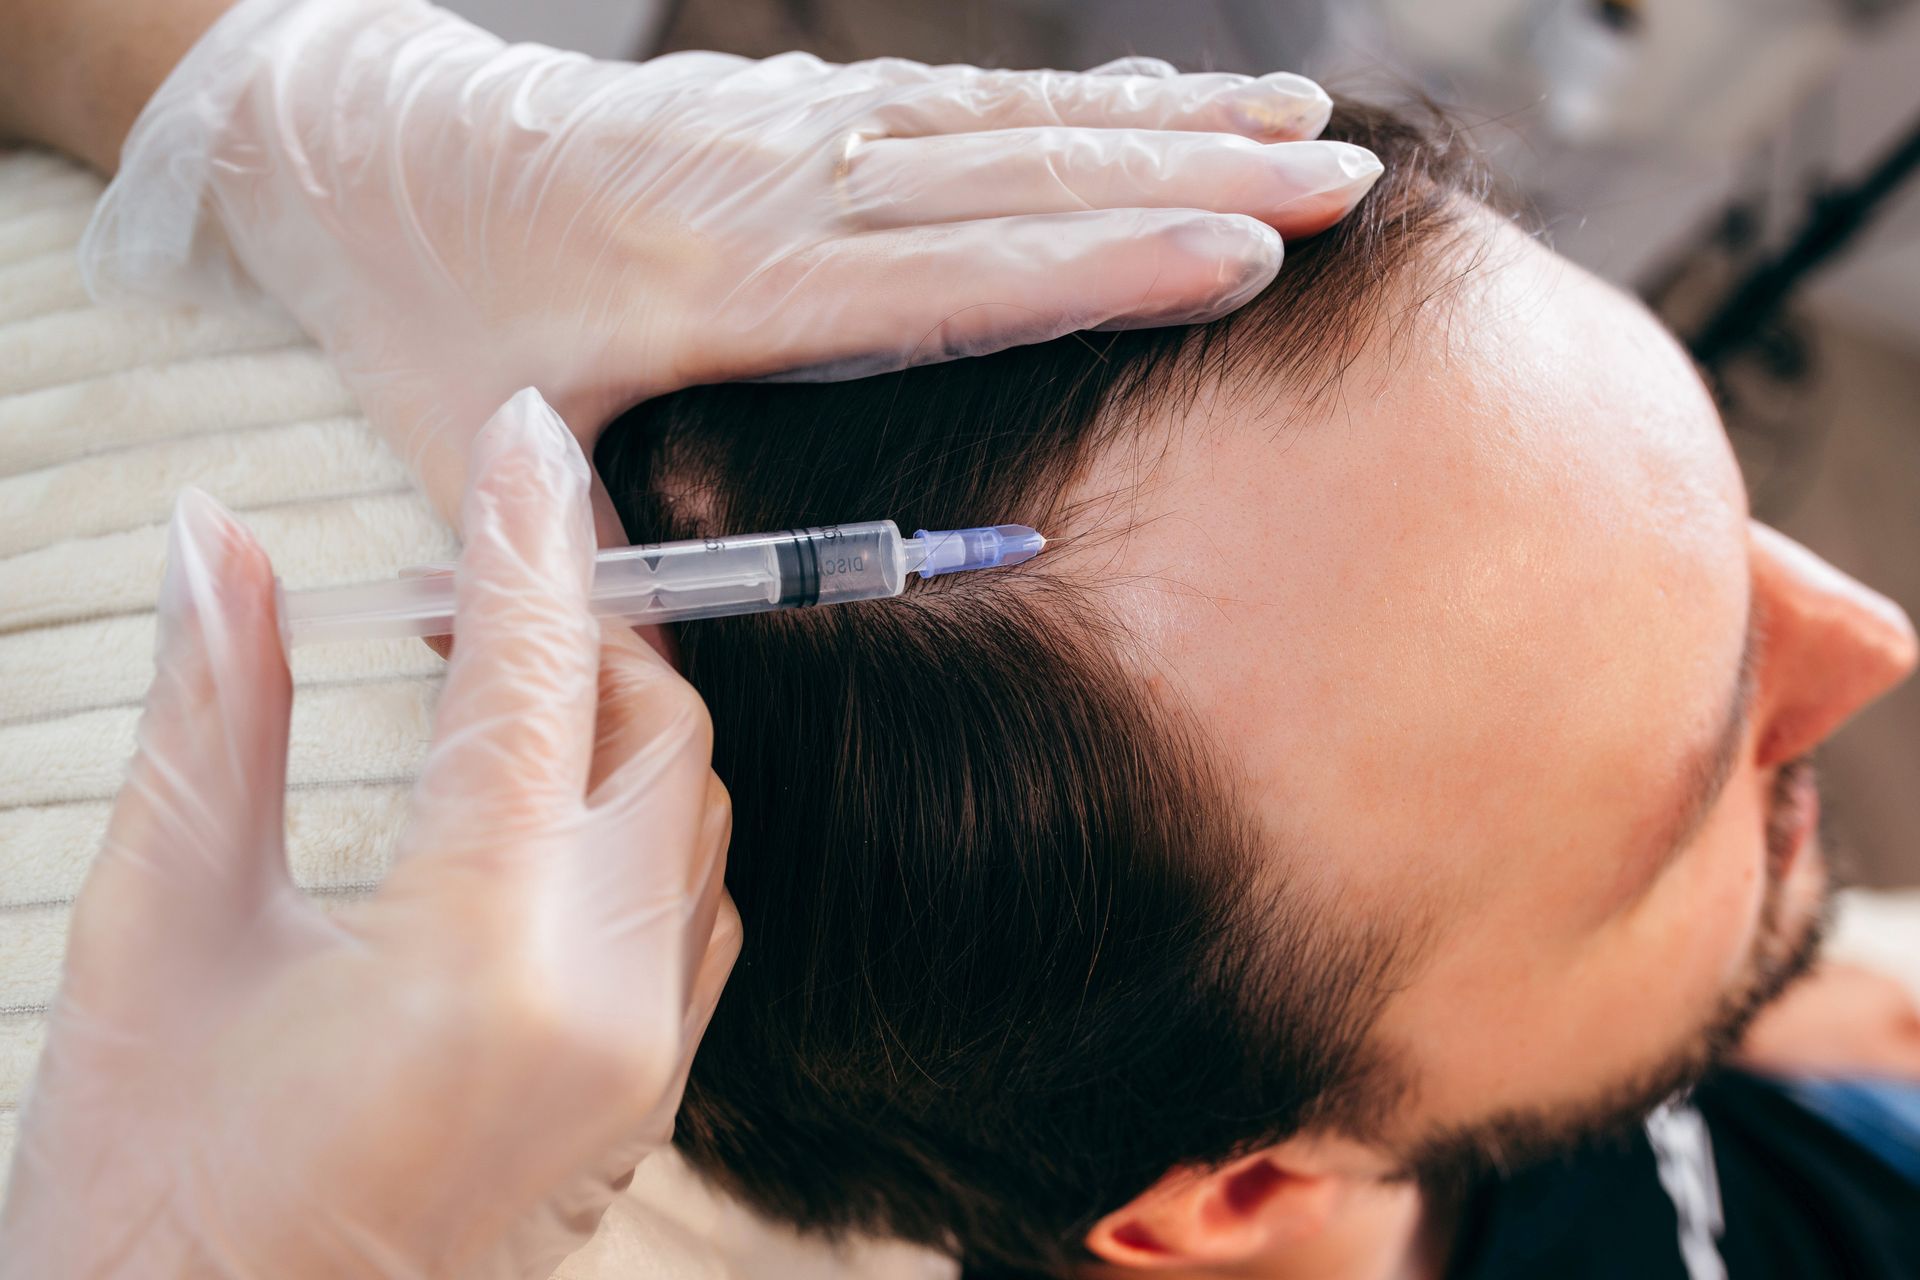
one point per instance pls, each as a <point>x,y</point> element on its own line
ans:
<point>751,573</point>
<point>837,563</point>
<point>650,583</point>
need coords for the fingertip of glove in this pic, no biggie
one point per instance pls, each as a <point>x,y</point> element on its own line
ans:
<point>198,515</point>
<point>217,578</point>
<point>205,546</point>
<point>1318,183</point>
<point>525,461</point>
<point>1282,105</point>
<point>527,423</point>
<point>1244,247</point>
<point>1212,264</point>
<point>1361,166</point>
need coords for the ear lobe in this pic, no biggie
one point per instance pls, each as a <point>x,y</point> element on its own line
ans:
<point>1235,1213</point>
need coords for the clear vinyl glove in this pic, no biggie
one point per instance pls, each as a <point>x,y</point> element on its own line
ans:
<point>448,1079</point>
<point>454,217</point>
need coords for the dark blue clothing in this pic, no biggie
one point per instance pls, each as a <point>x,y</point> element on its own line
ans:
<point>1784,1181</point>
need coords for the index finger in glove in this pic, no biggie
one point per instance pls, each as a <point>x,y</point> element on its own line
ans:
<point>1294,187</point>
<point>513,736</point>
<point>1276,107</point>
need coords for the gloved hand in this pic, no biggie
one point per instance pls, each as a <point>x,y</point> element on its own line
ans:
<point>453,217</point>
<point>446,1079</point>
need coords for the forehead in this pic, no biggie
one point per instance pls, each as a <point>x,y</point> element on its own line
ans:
<point>1490,591</point>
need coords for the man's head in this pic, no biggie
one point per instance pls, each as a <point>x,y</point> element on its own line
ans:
<point>1379,766</point>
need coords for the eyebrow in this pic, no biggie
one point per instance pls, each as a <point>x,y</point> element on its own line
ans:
<point>1708,771</point>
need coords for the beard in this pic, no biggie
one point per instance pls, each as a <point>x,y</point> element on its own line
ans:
<point>1783,950</point>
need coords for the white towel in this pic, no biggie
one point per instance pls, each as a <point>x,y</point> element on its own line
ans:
<point>104,415</point>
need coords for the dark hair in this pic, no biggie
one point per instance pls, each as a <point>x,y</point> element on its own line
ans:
<point>1012,948</point>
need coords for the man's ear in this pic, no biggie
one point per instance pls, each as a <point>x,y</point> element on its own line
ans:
<point>1281,1199</point>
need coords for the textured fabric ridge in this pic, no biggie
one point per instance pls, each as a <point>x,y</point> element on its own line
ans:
<point>105,413</point>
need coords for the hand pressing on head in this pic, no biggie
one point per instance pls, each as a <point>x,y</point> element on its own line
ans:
<point>454,217</point>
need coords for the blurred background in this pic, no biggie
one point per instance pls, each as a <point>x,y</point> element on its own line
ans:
<point>1746,166</point>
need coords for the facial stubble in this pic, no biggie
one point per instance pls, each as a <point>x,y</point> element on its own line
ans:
<point>1783,950</point>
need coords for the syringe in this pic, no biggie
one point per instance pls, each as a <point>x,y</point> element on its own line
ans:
<point>680,581</point>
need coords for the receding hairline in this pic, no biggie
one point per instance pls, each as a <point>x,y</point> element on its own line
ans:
<point>1226,375</point>
<point>1110,500</point>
